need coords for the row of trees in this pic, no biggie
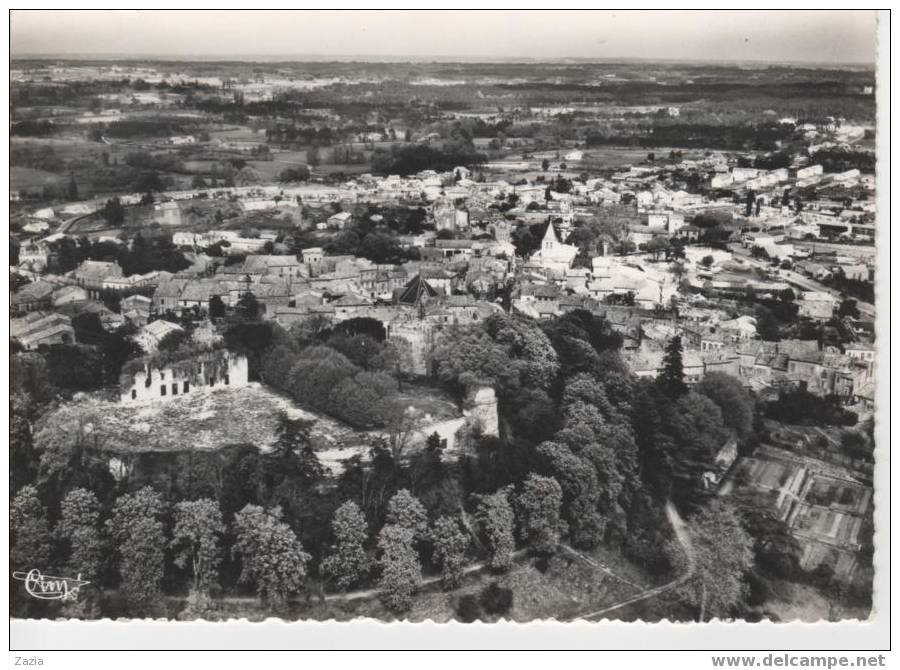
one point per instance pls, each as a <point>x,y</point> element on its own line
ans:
<point>136,536</point>
<point>133,544</point>
<point>767,136</point>
<point>144,255</point>
<point>410,159</point>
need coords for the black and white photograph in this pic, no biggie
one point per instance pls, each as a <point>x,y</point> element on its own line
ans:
<point>447,316</point>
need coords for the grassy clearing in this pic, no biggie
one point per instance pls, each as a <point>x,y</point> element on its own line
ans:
<point>31,179</point>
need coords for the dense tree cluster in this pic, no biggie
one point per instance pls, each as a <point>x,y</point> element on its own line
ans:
<point>573,411</point>
<point>410,159</point>
<point>140,257</point>
<point>294,174</point>
<point>759,137</point>
<point>801,406</point>
<point>836,159</point>
<point>366,239</point>
<point>156,126</point>
<point>32,128</point>
<point>350,372</point>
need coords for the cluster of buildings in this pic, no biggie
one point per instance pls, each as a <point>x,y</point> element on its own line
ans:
<point>766,367</point>
<point>468,265</point>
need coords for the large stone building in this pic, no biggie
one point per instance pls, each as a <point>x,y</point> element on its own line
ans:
<point>146,379</point>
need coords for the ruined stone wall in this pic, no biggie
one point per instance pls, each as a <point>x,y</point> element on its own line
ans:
<point>184,378</point>
<point>480,410</point>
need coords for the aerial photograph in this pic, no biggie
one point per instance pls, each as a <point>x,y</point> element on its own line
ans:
<point>542,328</point>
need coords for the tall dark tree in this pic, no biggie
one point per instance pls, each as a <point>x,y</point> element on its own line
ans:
<point>751,199</point>
<point>29,531</point>
<point>348,561</point>
<point>537,509</point>
<point>137,532</point>
<point>248,307</point>
<point>196,540</point>
<point>848,308</point>
<point>79,527</point>
<point>216,308</point>
<point>23,457</point>
<point>72,192</point>
<point>671,379</point>
<point>401,572</point>
<point>362,326</point>
<point>113,212</point>
<point>272,558</point>
<point>450,544</point>
<point>496,521</point>
<point>697,433</point>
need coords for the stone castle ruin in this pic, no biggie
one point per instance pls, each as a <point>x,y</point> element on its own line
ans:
<point>153,378</point>
<point>480,411</point>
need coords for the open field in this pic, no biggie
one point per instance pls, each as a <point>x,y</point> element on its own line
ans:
<point>31,178</point>
<point>341,168</point>
<point>237,134</point>
<point>69,148</point>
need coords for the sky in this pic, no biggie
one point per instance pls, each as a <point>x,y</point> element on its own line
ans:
<point>765,35</point>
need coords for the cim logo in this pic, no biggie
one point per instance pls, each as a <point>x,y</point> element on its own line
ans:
<point>48,587</point>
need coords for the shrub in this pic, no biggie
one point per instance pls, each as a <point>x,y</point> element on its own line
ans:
<point>468,609</point>
<point>496,599</point>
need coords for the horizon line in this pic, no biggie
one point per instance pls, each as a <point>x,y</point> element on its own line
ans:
<point>400,59</point>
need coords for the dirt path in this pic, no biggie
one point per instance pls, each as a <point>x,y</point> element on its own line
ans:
<point>349,595</point>
<point>680,529</point>
<point>434,579</point>
<point>600,566</point>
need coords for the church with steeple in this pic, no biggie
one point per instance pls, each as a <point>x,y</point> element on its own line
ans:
<point>553,254</point>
